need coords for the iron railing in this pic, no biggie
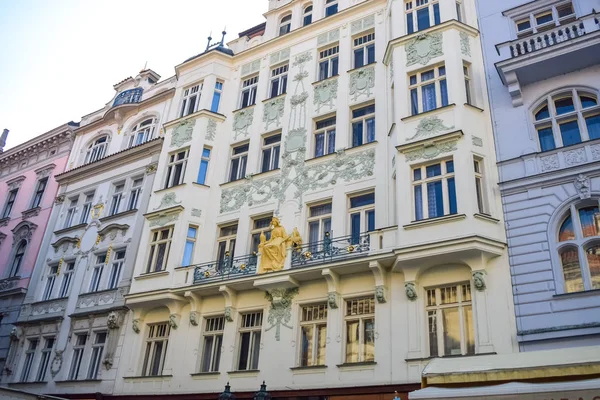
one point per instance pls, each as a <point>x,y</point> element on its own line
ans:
<point>331,249</point>
<point>129,97</point>
<point>227,268</point>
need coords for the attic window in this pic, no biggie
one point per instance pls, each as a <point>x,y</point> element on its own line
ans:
<point>128,97</point>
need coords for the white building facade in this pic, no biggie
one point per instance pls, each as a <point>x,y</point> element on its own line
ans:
<point>542,59</point>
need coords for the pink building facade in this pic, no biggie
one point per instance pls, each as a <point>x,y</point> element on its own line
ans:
<point>27,194</point>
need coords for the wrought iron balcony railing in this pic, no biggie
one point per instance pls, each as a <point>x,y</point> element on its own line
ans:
<point>331,249</point>
<point>129,96</point>
<point>227,268</point>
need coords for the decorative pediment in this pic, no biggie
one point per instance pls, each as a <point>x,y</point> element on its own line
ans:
<point>24,230</point>
<point>45,171</point>
<point>113,230</point>
<point>163,217</point>
<point>15,183</point>
<point>65,241</point>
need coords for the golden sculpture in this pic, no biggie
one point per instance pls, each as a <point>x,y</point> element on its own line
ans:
<point>296,239</point>
<point>274,250</point>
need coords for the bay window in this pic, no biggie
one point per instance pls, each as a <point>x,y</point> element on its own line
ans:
<point>156,349</point>
<point>434,190</point>
<point>191,100</point>
<point>421,14</point>
<point>428,90</point>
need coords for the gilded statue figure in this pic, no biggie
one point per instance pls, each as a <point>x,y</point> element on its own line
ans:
<point>274,250</point>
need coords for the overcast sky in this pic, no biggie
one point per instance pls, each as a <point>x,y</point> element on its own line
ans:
<point>59,59</point>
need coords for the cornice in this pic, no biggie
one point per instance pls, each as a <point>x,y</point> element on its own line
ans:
<point>200,113</point>
<point>32,147</point>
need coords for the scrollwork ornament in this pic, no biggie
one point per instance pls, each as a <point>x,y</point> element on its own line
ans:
<point>182,133</point>
<point>411,291</point>
<point>56,363</point>
<point>423,48</point>
<point>361,82</point>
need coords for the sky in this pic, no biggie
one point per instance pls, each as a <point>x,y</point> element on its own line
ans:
<point>59,59</point>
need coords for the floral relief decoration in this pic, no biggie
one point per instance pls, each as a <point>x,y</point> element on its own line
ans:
<point>465,44</point>
<point>168,200</point>
<point>325,93</point>
<point>280,311</point>
<point>273,112</point>
<point>423,48</point>
<point>362,81</point>
<point>211,129</point>
<point>242,120</point>
<point>182,133</point>
<point>549,163</point>
<point>429,152</point>
<point>429,126</point>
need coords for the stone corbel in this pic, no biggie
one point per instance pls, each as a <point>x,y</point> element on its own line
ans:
<point>479,280</point>
<point>230,296</point>
<point>138,319</point>
<point>174,320</point>
<point>333,283</point>
<point>379,273</point>
<point>114,320</point>
<point>411,290</point>
<point>195,302</point>
<point>514,88</point>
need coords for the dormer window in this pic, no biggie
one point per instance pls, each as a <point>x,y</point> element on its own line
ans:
<point>544,19</point>
<point>143,132</point>
<point>307,19</point>
<point>96,150</point>
<point>128,97</point>
<point>331,7</point>
<point>191,99</point>
<point>285,26</point>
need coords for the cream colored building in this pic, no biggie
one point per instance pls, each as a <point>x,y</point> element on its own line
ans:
<point>403,256</point>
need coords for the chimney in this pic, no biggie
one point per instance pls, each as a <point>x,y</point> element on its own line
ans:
<point>3,139</point>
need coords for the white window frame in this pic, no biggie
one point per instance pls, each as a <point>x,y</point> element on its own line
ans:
<point>362,318</point>
<point>77,358</point>
<point>329,55</point>
<point>71,211</point>
<point>412,7</point>
<point>307,12</point>
<point>97,272</point>
<point>249,325</point>
<point>238,171</point>
<point>423,183</point>
<point>100,339</point>
<point>44,361</point>
<point>480,191</point>
<point>363,120</point>
<point>118,190</point>
<point>176,167</point>
<point>50,281</point>
<point>144,130</point>
<point>211,351</point>
<point>330,4</point>
<point>191,242</point>
<point>270,152</point>
<point>32,344</point>
<point>556,20</point>
<point>249,87</point>
<point>156,241</point>
<point>363,42</point>
<point>308,321</point>
<point>285,25</point>
<point>157,333</point>
<point>363,211</point>
<point>468,84</point>
<point>65,284</point>
<point>135,193</point>
<point>229,238</point>
<point>97,149</point>
<point>87,207</point>
<point>329,133</point>
<point>192,92</point>
<point>417,86</point>
<point>116,268</point>
<point>217,94</point>
<point>278,81</point>
<point>204,161</point>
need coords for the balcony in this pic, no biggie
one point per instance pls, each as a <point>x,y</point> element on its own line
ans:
<point>131,96</point>
<point>330,250</point>
<point>543,55</point>
<point>225,269</point>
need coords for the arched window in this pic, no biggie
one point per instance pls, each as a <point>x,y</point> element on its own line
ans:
<point>579,247</point>
<point>307,15</point>
<point>331,7</point>
<point>96,150</point>
<point>18,258</point>
<point>567,118</point>
<point>143,132</point>
<point>285,26</point>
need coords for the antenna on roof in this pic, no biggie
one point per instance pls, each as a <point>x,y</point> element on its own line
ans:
<point>209,39</point>
<point>224,33</point>
<point>145,65</point>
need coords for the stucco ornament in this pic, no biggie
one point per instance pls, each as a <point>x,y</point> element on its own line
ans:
<point>429,152</point>
<point>173,321</point>
<point>151,168</point>
<point>296,177</point>
<point>59,199</point>
<point>583,186</point>
<point>211,129</point>
<point>549,163</point>
<point>465,44</point>
<point>478,281</point>
<point>575,157</point>
<point>163,219</point>
<point>56,363</point>
<point>428,127</point>
<point>325,93</point>
<point>168,200</point>
<point>112,321</point>
<point>6,284</point>
<point>194,318</point>
<point>411,291</point>
<point>182,133</point>
<point>196,212</point>
<point>228,314</point>
<point>423,48</point>
<point>477,141</point>
<point>108,363</point>
<point>332,300</point>
<point>380,294</point>
<point>273,112</point>
<point>135,325</point>
<point>14,334</point>
<point>595,151</point>
<point>242,120</point>
<point>280,312</point>
<point>362,81</point>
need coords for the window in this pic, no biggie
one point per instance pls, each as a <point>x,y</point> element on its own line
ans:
<point>360,330</point>
<point>546,19</point>
<point>213,341</point>
<point>363,125</point>
<point>115,269</point>
<point>319,224</point>
<point>190,242</point>
<point>216,100</point>
<point>459,11</point>
<point>226,243</point>
<point>259,225</point>
<point>270,153</point>
<point>362,215</point>
<point>10,202</point>
<point>307,19</point>
<point>250,331</point>
<point>421,14</point>
<point>143,132</point>
<point>466,72</point>
<point>71,211</point>
<point>191,100</point>
<point>428,90</point>
<point>579,247</point>
<point>364,50</point>
<point>66,280</point>
<point>156,349</point>
<point>160,244</point>
<point>331,7</point>
<point>39,192</point>
<point>325,137</point>
<point>434,190</point>
<point>115,204</point>
<point>328,62</point>
<point>29,355</point>
<point>45,359</point>
<point>449,312</point>
<point>78,349</point>
<point>135,193</point>
<point>239,158</point>
<point>285,26</point>
<point>204,166</point>
<point>313,335</point>
<point>478,169</point>
<point>96,358</point>
<point>176,168</point>
<point>248,97</point>
<point>87,208</point>
<point>96,150</point>
<point>567,118</point>
<point>279,80</point>
<point>50,279</point>
<point>18,259</point>
<point>97,273</point>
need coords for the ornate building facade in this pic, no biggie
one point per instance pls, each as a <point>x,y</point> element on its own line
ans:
<point>27,190</point>
<point>67,333</point>
<point>545,104</point>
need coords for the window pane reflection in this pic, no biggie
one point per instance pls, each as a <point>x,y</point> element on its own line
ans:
<point>593,258</point>
<point>566,230</point>
<point>571,270</point>
<point>588,219</point>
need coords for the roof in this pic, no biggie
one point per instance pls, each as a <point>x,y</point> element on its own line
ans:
<point>254,31</point>
<point>219,48</point>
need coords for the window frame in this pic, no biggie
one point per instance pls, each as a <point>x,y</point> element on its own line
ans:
<point>531,18</point>
<point>480,186</point>
<point>363,44</point>
<point>230,240</point>
<point>412,14</point>
<point>45,354</point>
<point>30,353</point>
<point>145,130</point>
<point>285,25</point>
<point>118,191</point>
<point>96,355</point>
<point>97,271</point>
<point>363,211</point>
<point>322,219</point>
<point>116,268</point>
<point>17,258</point>
<point>363,122</point>
<point>10,202</point>
<point>423,183</point>
<point>86,207</point>
<point>77,356</point>
<point>214,327</point>
<point>440,82</point>
<point>278,80</point>
<point>204,165</point>
<point>331,8</point>
<point>190,242</point>
<point>50,282</point>
<point>361,317</point>
<point>270,152</point>
<point>135,193</point>
<point>249,86</point>
<point>328,56</point>
<point>217,94</point>
<point>253,343</point>
<point>97,149</point>
<point>188,94</point>
<point>154,249</point>
<point>150,352</point>
<point>71,211</point>
<point>176,168</point>
<point>312,359</point>
<point>65,284</point>
<point>329,133</point>
<point>306,13</point>
<point>237,170</point>
<point>38,195</point>
<point>255,230</point>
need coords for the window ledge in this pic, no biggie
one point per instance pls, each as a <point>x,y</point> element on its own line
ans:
<point>69,229</point>
<point>169,188</point>
<point>27,383</point>
<point>435,221</point>
<point>592,292</point>
<point>236,182</point>
<point>205,375</point>
<point>250,372</point>
<point>427,113</point>
<point>4,221</point>
<point>474,107</point>
<point>149,275</point>
<point>266,173</point>
<point>282,95</point>
<point>32,212</point>
<point>49,300</point>
<point>360,145</point>
<point>79,381</point>
<point>325,80</point>
<point>98,292</point>
<point>456,356</point>
<point>486,217</point>
<point>357,365</point>
<point>364,66</point>
<point>131,378</point>
<point>244,108</point>
<point>309,369</point>
<point>202,185</point>
<point>118,215</point>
